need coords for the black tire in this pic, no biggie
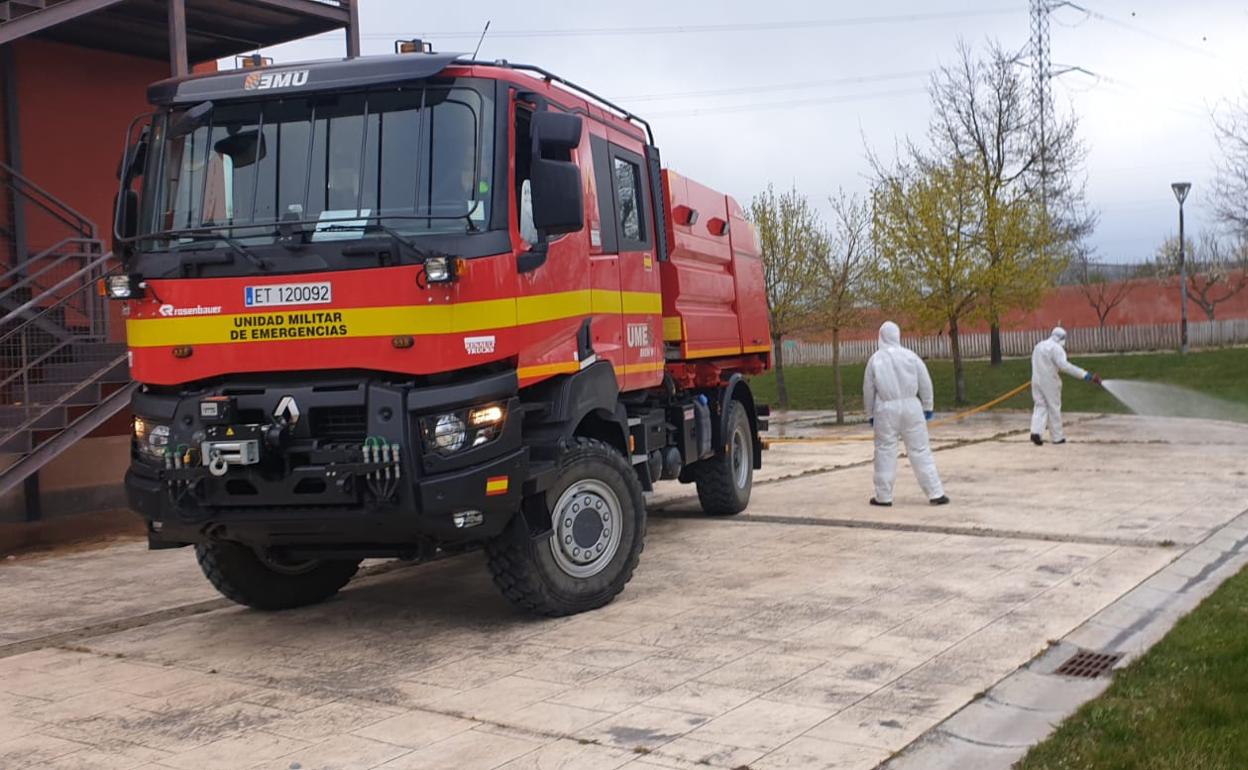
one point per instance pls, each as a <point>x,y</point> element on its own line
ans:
<point>242,576</point>
<point>536,575</point>
<point>725,480</point>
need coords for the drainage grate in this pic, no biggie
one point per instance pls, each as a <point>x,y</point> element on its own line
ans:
<point>1088,665</point>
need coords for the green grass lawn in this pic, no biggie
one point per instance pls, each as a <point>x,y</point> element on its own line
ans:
<point>1220,373</point>
<point>1182,706</point>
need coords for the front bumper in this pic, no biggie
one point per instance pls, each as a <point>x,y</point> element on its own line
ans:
<point>318,486</point>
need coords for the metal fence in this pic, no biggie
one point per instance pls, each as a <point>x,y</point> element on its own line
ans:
<point>1109,339</point>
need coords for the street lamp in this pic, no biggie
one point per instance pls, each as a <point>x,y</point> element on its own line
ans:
<point>1180,194</point>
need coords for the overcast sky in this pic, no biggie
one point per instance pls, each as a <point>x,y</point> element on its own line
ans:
<point>742,93</point>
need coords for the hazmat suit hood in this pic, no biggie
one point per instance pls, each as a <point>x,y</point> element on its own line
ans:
<point>1059,336</point>
<point>890,335</point>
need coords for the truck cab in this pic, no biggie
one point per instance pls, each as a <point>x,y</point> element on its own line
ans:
<point>409,305</point>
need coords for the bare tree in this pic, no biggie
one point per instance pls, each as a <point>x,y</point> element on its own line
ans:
<point>842,278</point>
<point>1032,201</point>
<point>1217,269</point>
<point>793,245</point>
<point>1230,191</point>
<point>1102,293</point>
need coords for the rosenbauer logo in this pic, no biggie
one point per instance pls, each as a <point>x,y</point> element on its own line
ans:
<point>263,81</point>
<point>479,346</point>
<point>169,311</point>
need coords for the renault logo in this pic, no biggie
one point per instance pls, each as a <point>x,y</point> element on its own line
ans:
<point>287,410</point>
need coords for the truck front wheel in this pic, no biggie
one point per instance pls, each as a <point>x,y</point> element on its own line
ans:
<point>262,580</point>
<point>598,528</point>
<point>725,480</point>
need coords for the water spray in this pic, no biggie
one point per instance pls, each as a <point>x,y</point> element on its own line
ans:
<point>1157,400</point>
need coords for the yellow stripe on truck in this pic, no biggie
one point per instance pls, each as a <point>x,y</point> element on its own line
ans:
<point>642,302</point>
<point>389,321</point>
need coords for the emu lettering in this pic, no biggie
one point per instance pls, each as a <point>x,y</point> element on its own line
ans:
<point>263,81</point>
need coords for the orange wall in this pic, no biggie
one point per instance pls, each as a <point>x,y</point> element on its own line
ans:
<point>1149,302</point>
<point>74,105</point>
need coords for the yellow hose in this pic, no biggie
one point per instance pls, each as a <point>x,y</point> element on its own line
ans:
<point>942,421</point>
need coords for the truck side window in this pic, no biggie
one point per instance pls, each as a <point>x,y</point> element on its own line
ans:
<point>524,163</point>
<point>628,198</point>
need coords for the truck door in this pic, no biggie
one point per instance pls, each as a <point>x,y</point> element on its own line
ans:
<point>604,266</point>
<point>624,191</point>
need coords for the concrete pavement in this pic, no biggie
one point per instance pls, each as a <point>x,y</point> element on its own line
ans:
<point>811,632</point>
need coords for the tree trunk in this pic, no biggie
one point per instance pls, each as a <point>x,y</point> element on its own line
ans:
<point>782,393</point>
<point>836,376</point>
<point>959,376</point>
<point>994,342</point>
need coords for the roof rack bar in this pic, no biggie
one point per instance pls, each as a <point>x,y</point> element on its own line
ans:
<point>566,83</point>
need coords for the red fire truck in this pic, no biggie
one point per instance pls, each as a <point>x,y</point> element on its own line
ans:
<point>401,306</point>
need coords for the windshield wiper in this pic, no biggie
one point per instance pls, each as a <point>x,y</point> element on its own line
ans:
<point>199,237</point>
<point>233,243</point>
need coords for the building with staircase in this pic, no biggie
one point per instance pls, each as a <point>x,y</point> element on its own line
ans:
<point>73,75</point>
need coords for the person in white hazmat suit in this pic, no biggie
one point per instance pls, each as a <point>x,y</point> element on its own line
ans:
<point>1048,363</point>
<point>897,395</point>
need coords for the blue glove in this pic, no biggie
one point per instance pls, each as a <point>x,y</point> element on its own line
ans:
<point>871,421</point>
<point>927,414</point>
<point>1087,377</point>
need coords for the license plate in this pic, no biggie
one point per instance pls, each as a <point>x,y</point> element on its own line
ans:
<point>275,294</point>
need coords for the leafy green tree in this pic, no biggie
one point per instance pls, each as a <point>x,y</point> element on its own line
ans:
<point>932,267</point>
<point>793,245</point>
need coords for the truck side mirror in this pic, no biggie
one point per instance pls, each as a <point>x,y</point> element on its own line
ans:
<point>134,161</point>
<point>191,119</point>
<point>558,201</point>
<point>126,203</point>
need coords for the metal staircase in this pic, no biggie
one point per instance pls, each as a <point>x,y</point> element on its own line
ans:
<point>60,376</point>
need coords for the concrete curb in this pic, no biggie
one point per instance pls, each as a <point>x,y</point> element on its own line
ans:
<point>996,730</point>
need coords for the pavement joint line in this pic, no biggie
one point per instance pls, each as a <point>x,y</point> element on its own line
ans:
<point>948,444</point>
<point>927,745</point>
<point>104,628</point>
<point>933,529</point>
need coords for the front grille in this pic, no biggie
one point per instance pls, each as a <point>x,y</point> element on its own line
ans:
<point>341,423</point>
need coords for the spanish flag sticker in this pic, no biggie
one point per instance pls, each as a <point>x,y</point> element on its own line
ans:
<point>496,485</point>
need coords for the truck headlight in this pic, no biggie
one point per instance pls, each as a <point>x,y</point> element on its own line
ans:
<point>150,439</point>
<point>121,287</point>
<point>441,269</point>
<point>449,433</point>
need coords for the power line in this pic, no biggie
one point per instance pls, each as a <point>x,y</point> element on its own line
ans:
<point>756,26</point>
<point>772,87</point>
<point>1142,31</point>
<point>788,104</point>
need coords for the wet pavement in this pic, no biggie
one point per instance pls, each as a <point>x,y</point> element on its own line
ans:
<point>813,631</point>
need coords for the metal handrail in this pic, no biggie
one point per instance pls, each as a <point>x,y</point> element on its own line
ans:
<point>20,275</point>
<point>49,203</point>
<point>26,350</point>
<point>49,353</point>
<point>87,272</point>
<point>64,398</point>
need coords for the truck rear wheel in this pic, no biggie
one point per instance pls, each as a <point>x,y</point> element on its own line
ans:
<point>725,480</point>
<point>261,580</point>
<point>598,530</point>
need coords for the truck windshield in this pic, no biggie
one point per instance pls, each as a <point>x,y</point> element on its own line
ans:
<point>417,159</point>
